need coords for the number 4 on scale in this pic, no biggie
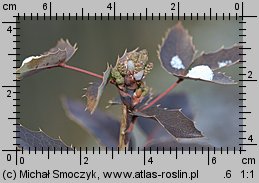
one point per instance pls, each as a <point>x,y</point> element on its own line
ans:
<point>150,160</point>
<point>250,138</point>
<point>110,6</point>
<point>9,29</point>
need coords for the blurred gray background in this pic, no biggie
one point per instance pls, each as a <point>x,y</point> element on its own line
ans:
<point>215,106</point>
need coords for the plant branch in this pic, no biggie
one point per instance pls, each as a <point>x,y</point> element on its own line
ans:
<point>123,141</point>
<point>80,70</point>
<point>162,94</point>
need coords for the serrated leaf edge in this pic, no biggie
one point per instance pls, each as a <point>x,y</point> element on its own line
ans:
<point>209,81</point>
<point>41,131</point>
<point>142,114</point>
<point>221,48</point>
<point>163,40</point>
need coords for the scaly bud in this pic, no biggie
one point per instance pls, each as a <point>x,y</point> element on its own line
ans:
<point>121,68</point>
<point>148,68</point>
<point>143,56</point>
<point>117,76</point>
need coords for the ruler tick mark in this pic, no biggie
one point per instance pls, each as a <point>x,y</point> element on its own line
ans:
<point>248,144</point>
<point>210,13</point>
<point>178,10</point>
<point>242,125</point>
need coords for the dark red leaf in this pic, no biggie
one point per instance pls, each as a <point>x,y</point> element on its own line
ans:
<point>91,95</point>
<point>174,121</point>
<point>61,53</point>
<point>63,45</point>
<point>173,101</point>
<point>95,91</point>
<point>205,67</point>
<point>176,56</point>
<point>176,52</point>
<point>38,139</point>
<point>218,78</point>
<point>220,58</point>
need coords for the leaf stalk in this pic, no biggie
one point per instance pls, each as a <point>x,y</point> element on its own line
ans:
<point>80,70</point>
<point>160,96</point>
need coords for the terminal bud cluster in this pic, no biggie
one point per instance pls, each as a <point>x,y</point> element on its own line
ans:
<point>128,75</point>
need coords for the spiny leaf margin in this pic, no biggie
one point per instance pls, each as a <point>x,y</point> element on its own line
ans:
<point>177,35</point>
<point>94,91</point>
<point>61,53</point>
<point>29,140</point>
<point>177,42</point>
<point>174,121</point>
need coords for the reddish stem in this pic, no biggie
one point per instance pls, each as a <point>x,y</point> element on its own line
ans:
<point>80,70</point>
<point>162,94</point>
